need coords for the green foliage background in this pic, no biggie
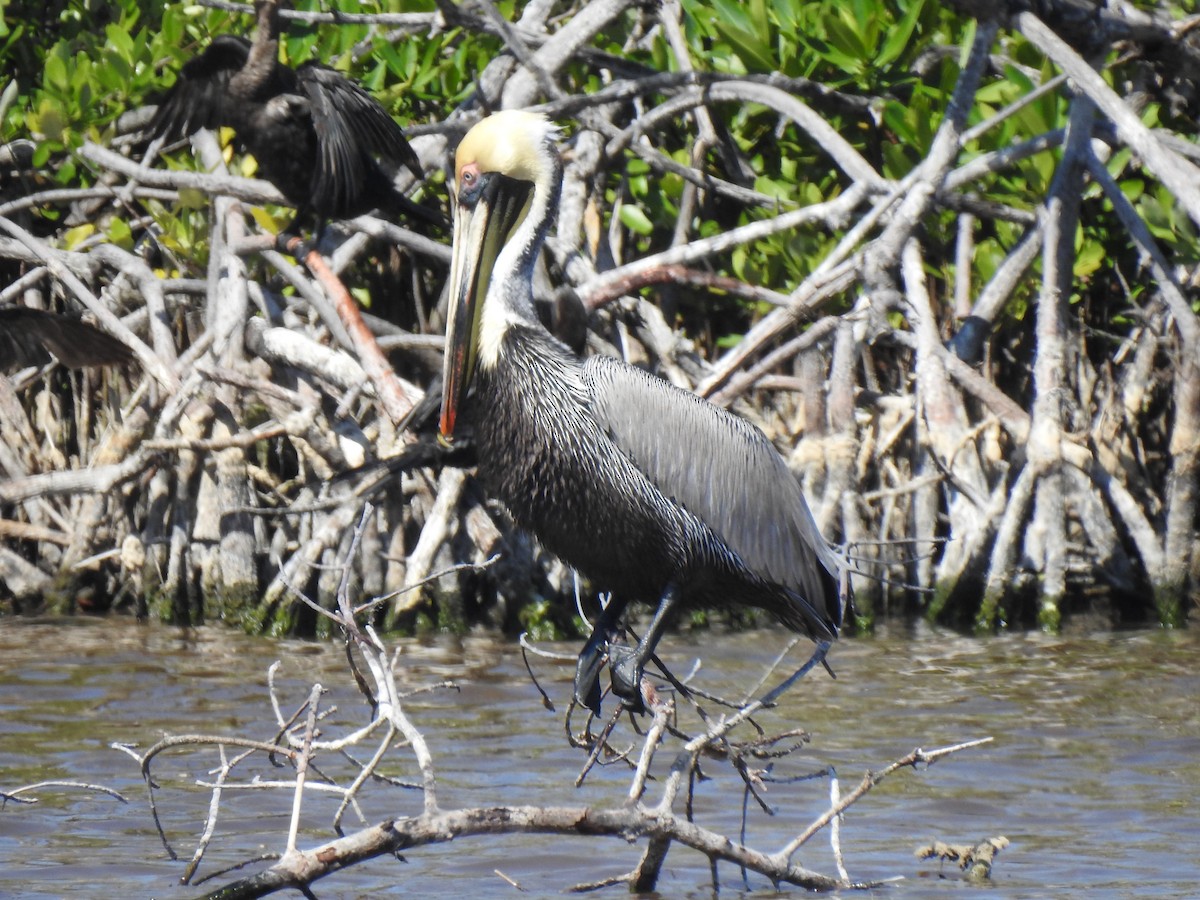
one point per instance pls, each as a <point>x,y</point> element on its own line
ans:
<point>76,67</point>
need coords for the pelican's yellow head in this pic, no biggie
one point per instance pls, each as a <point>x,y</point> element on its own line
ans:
<point>506,179</point>
<point>513,143</point>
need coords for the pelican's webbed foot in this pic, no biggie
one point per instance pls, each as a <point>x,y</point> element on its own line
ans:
<point>595,654</point>
<point>587,671</point>
<point>626,668</point>
<point>625,664</point>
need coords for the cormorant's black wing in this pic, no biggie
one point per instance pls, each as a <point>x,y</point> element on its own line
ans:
<point>724,471</point>
<point>198,97</point>
<point>28,337</point>
<point>351,128</point>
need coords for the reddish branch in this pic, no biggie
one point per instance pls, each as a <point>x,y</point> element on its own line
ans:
<point>395,402</point>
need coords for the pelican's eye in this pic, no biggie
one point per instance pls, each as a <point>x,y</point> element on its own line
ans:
<point>470,182</point>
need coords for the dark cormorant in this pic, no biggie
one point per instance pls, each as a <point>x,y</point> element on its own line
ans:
<point>650,491</point>
<point>30,337</point>
<point>317,136</point>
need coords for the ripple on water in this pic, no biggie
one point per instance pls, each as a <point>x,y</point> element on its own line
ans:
<point>1092,773</point>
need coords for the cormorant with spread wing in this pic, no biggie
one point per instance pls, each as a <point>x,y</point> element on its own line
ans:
<point>652,492</point>
<point>317,136</point>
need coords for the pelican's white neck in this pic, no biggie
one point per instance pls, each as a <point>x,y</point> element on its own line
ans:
<point>509,299</point>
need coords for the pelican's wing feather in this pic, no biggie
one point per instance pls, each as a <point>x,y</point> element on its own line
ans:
<point>723,470</point>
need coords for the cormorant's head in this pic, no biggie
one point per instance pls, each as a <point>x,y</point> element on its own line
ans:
<point>506,178</point>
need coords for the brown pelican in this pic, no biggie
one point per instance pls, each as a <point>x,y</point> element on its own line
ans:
<point>315,134</point>
<point>29,337</point>
<point>653,493</point>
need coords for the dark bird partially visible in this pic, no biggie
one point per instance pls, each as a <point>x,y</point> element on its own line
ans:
<point>31,337</point>
<point>652,492</point>
<point>317,136</point>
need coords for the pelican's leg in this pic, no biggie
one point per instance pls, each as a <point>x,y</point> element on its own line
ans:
<point>594,655</point>
<point>625,665</point>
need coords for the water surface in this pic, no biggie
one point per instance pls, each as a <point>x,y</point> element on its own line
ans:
<point>1092,774</point>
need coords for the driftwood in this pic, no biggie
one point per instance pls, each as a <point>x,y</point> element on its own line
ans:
<point>976,861</point>
<point>1025,469</point>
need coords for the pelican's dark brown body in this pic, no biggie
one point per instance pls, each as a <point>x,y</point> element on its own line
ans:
<point>542,422</point>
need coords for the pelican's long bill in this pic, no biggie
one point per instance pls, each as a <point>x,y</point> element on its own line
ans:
<point>488,206</point>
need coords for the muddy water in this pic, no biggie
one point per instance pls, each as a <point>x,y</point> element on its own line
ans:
<point>1092,776</point>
